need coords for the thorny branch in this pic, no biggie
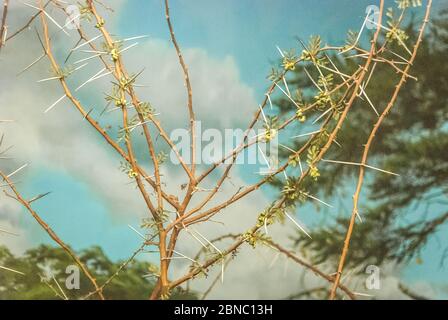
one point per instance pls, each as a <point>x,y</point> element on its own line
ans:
<point>368,145</point>
<point>51,233</point>
<point>337,98</point>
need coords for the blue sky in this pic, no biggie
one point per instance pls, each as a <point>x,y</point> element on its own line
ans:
<point>246,31</point>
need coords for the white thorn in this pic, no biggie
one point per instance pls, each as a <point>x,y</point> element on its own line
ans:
<point>129,47</point>
<point>32,63</point>
<point>136,231</point>
<point>48,79</point>
<point>298,225</point>
<point>318,200</point>
<point>86,43</point>
<point>264,117</point>
<point>13,173</point>
<point>12,270</point>
<point>54,104</point>
<point>281,52</point>
<point>306,134</point>
<point>49,17</point>
<point>322,115</point>
<point>88,58</point>
<point>135,38</point>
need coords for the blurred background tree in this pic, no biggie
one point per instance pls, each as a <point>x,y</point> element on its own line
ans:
<point>44,265</point>
<point>399,213</point>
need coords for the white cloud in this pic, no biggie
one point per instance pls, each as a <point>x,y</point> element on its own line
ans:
<point>62,140</point>
<point>13,235</point>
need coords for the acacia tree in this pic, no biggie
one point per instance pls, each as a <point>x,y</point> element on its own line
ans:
<point>335,91</point>
<point>405,211</point>
<point>43,276</point>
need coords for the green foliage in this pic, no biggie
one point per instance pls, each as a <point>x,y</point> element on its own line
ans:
<point>37,283</point>
<point>352,38</point>
<point>289,61</point>
<point>310,52</point>
<point>395,33</point>
<point>271,127</point>
<point>398,214</point>
<point>403,4</point>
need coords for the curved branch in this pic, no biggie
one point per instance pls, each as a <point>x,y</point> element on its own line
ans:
<point>367,149</point>
<point>52,234</point>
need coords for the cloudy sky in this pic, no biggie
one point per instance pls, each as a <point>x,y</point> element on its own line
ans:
<point>229,47</point>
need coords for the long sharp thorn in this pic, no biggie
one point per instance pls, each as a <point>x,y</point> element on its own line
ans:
<point>210,243</point>
<point>16,171</point>
<point>48,79</point>
<point>12,270</point>
<point>135,38</point>
<point>94,51</point>
<point>322,115</point>
<point>368,99</point>
<point>264,117</point>
<point>270,101</point>
<point>80,67</point>
<point>86,59</point>
<point>8,232</point>
<point>281,52</point>
<point>54,104</point>
<point>128,47</point>
<point>90,79</point>
<point>318,200</point>
<point>186,257</point>
<point>49,17</point>
<point>312,80</point>
<point>137,232</point>
<point>39,197</point>
<point>306,134</point>
<point>286,86</point>
<point>31,64</point>
<point>297,225</point>
<point>360,164</point>
<point>86,43</point>
<point>289,97</point>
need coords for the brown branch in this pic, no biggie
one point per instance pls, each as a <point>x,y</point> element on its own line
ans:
<point>55,66</point>
<point>100,130</point>
<point>248,144</point>
<point>256,117</point>
<point>24,27</point>
<point>112,277</point>
<point>238,243</point>
<point>188,87</point>
<point>135,100</point>
<point>210,212</point>
<point>367,149</point>
<point>156,213</point>
<point>151,148</point>
<point>309,266</point>
<point>331,139</point>
<point>52,234</point>
<point>188,216</point>
<point>215,281</point>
